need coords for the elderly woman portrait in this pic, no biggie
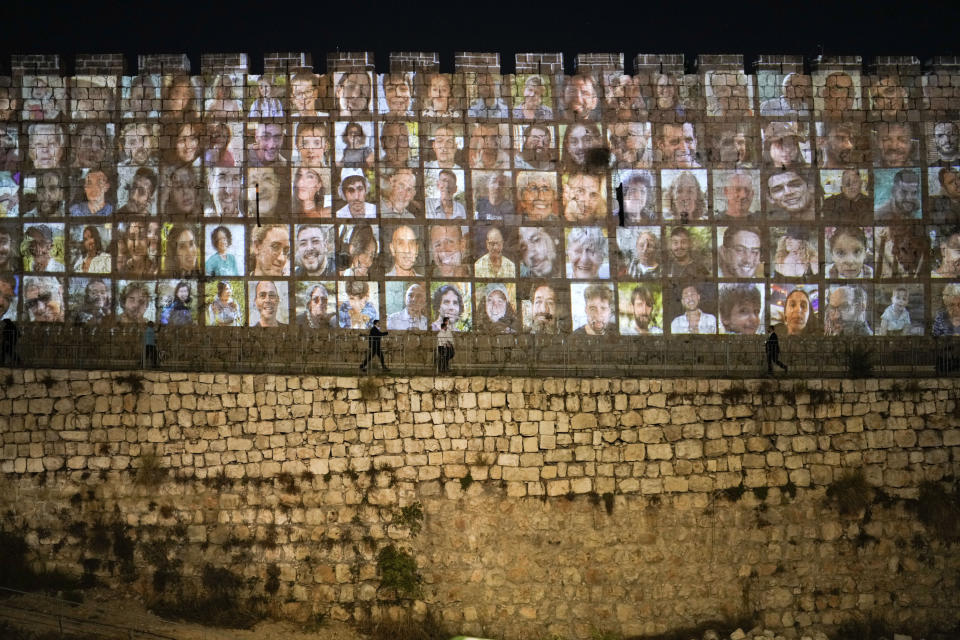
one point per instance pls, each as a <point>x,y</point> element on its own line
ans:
<point>221,263</point>
<point>538,195</point>
<point>947,320</point>
<point>496,310</point>
<point>587,253</point>
<point>224,310</point>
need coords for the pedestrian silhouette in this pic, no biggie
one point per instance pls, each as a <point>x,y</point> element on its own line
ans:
<point>773,351</point>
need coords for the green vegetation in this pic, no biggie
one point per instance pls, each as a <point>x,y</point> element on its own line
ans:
<point>850,494</point>
<point>398,571</point>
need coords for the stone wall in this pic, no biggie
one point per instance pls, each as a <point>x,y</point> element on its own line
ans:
<point>549,505</point>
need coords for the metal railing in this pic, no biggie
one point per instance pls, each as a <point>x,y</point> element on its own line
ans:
<point>295,351</point>
<point>35,619</point>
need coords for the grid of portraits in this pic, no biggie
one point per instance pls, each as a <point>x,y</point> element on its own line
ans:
<point>587,205</point>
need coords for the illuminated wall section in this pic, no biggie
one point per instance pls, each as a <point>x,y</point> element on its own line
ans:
<point>827,202</point>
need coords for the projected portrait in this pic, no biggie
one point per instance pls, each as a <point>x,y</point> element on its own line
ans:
<point>177,301</point>
<point>902,250</point>
<point>492,262</point>
<point>689,252</point>
<point>224,250</point>
<point>640,197</point>
<point>316,305</point>
<point>440,96</point>
<point>641,309</point>
<point>676,146</point>
<point>538,200</point>
<point>227,304</point>
<point>534,98</point>
<point>354,144</point>
<point>93,97</point>
<point>587,252</point>
<point>579,141</point>
<point>9,194</point>
<point>736,194</point>
<point>266,145</point>
<point>794,252</point>
<point>849,252</point>
<point>836,93</point>
<point>399,144</point>
<point>841,144</point>
<point>43,248</point>
<point>484,96</point>
<point>358,304</point>
<point>640,252</point>
<point>135,302</point>
<point>139,144</point>
<point>311,145</point>
<point>785,95</point>
<point>405,252</point>
<point>848,310</point>
<point>580,97</point>
<point>138,189</point>
<point>309,193</point>
<point>407,306</point>
<point>888,95</point>
<point>741,252</point>
<point>268,302</point>
<point>43,299</point>
<point>728,93</point>
<point>895,144</point>
<point>896,194</point>
<point>353,92</point>
<point>539,252</point>
<point>630,144</point>
<point>943,142</point>
<point>92,145</point>
<point>545,308</point>
<point>489,146</point>
<point>9,292</point>
<point>492,195</point>
<point>399,194</point>
<point>181,195</point>
<point>945,247</point>
<point>451,300</point>
<point>140,97</point>
<point>266,95</point>
<point>445,195</point>
<point>90,301</point>
<point>10,248</point>
<point>623,97</point>
<point>945,305</point>
<point>266,193</point>
<point>693,308</point>
<point>138,248</point>
<point>443,146</point>
<point>396,94</point>
<point>496,307</point>
<point>740,307</point>
<point>790,196</point>
<point>449,251</point>
<point>47,145</point>
<point>536,147</point>
<point>270,251</point>
<point>315,251</point>
<point>9,146</point>
<point>592,309</point>
<point>308,95</point>
<point>181,98</point>
<point>181,250</point>
<point>684,195</point>
<point>222,144</point>
<point>848,195</point>
<point>184,140</point>
<point>89,248</point>
<point>732,146</point>
<point>900,309</point>
<point>224,97</point>
<point>786,145</point>
<point>359,250</point>
<point>223,198</point>
<point>794,309</point>
<point>356,195</point>
<point>584,198</point>
<point>44,97</point>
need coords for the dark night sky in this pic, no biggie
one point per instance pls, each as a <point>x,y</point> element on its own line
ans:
<point>750,28</point>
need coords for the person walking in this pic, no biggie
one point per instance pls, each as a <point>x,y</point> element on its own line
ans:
<point>444,347</point>
<point>10,334</point>
<point>150,346</point>
<point>773,351</point>
<point>373,347</point>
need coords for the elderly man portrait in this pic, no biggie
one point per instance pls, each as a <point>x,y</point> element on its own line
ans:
<point>352,93</point>
<point>790,196</point>
<point>599,311</point>
<point>537,150</point>
<point>316,314</point>
<point>412,316</point>
<point>537,195</point>
<point>493,191</point>
<point>795,99</point>
<point>141,192</point>
<point>43,299</point>
<point>397,199</point>
<point>314,251</point>
<point>640,321</point>
<point>846,312</point>
<point>538,251</point>
<point>495,309</point>
<point>904,201</point>
<point>448,246</point>
<point>395,145</point>
<point>47,144</point>
<point>493,264</point>
<point>946,207</point>
<point>267,146</point>
<point>946,143</point>
<point>404,246</point>
<point>683,259</point>
<point>852,204</point>
<point>740,254</point>
<point>353,190</point>
<point>677,146</point>
<point>488,104</point>
<point>736,191</point>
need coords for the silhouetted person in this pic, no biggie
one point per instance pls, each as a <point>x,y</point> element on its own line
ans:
<point>10,335</point>
<point>773,351</point>
<point>150,345</point>
<point>373,347</point>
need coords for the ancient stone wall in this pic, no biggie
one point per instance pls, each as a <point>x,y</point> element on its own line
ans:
<point>548,505</point>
